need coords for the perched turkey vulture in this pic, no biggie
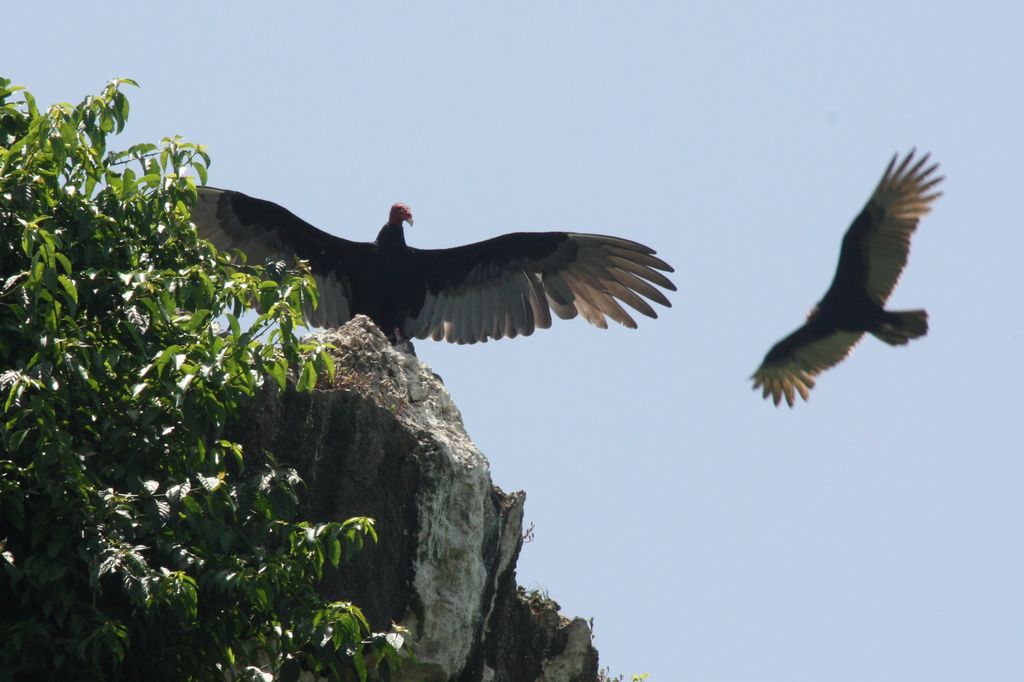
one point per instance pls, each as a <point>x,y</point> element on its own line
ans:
<point>500,287</point>
<point>873,255</point>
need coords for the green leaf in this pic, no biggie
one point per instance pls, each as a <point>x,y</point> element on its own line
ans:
<point>69,287</point>
<point>307,378</point>
<point>334,551</point>
<point>63,261</point>
<point>236,329</point>
<point>18,438</point>
<point>278,373</point>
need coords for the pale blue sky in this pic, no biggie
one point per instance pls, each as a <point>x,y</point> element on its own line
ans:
<point>875,533</point>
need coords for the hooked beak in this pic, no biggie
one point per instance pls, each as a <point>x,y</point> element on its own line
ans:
<point>409,220</point>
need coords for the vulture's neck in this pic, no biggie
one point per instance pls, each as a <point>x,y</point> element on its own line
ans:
<point>391,238</point>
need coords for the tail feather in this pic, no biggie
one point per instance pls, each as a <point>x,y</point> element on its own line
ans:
<point>902,326</point>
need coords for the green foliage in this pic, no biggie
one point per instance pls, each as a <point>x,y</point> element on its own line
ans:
<point>135,541</point>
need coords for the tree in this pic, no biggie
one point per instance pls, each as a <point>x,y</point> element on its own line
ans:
<point>135,539</point>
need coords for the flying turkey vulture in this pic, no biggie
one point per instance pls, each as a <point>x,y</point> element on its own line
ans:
<point>873,255</point>
<point>500,287</point>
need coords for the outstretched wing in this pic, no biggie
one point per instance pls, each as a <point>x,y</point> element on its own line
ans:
<point>508,286</point>
<point>877,244</point>
<point>262,229</point>
<point>791,365</point>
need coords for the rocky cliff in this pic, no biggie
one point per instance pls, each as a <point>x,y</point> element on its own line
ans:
<point>387,441</point>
